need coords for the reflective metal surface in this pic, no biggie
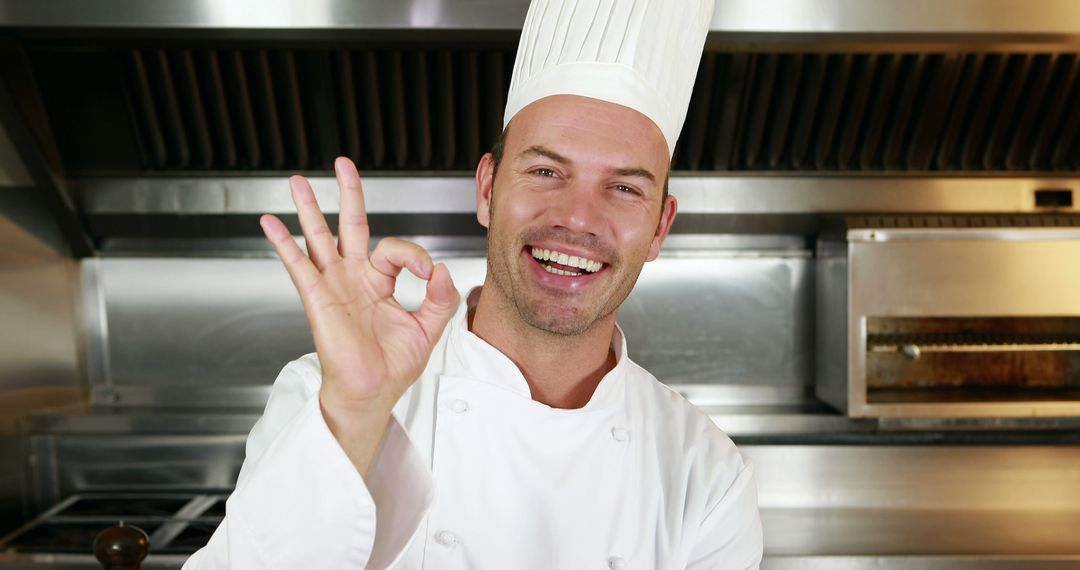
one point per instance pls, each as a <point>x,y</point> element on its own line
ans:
<point>920,562</point>
<point>957,278</point>
<point>697,195</point>
<point>883,503</point>
<point>207,327</point>
<point>992,502</point>
<point>39,332</point>
<point>723,321</point>
<point>950,478</point>
<point>147,462</point>
<point>922,17</point>
<point>975,273</point>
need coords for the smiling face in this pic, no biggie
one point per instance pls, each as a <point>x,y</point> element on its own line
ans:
<point>573,211</point>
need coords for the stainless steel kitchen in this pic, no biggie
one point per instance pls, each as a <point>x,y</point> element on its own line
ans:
<point>872,284</point>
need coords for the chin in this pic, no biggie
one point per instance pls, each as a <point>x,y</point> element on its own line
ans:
<point>562,321</point>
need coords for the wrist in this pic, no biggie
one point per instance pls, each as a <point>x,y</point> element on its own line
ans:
<point>358,427</point>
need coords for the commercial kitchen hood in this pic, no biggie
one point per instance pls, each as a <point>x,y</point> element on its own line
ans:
<point>159,119</point>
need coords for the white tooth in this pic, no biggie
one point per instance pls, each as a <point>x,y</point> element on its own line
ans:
<point>550,269</point>
<point>536,253</point>
<point>547,254</point>
<point>563,258</point>
<point>592,267</point>
<point>572,261</point>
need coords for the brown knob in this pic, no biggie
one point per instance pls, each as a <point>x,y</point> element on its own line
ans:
<point>121,547</point>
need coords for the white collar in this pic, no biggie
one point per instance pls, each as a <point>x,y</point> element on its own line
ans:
<point>472,357</point>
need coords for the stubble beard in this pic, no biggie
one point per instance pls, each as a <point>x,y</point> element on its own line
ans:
<point>544,312</point>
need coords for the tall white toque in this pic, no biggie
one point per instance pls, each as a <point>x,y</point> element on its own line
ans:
<point>642,54</point>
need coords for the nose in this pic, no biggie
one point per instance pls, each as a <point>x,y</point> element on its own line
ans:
<point>578,208</point>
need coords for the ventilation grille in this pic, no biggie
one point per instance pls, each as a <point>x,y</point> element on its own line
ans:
<point>884,112</point>
<point>274,110</point>
<point>415,109</point>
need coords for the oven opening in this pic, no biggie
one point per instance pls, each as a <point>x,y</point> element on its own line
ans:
<point>986,359</point>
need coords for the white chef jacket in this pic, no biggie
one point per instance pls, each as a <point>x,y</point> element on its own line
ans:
<point>473,473</point>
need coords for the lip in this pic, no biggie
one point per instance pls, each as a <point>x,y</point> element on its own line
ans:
<point>554,281</point>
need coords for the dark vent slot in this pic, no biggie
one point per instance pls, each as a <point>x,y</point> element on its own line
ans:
<point>268,120</point>
<point>191,106</point>
<point>393,108</point>
<point>220,122</point>
<point>736,73</point>
<point>1049,130</point>
<point>420,115</point>
<point>837,78</point>
<point>347,97</point>
<point>881,110</point>
<point>987,93</point>
<point>409,108</point>
<point>469,112</point>
<point>689,150</point>
<point>149,134</point>
<point>807,115</point>
<point>243,110</point>
<point>287,86</point>
<point>1066,154</point>
<point>851,119</point>
<point>168,108</point>
<point>1004,121</point>
<point>940,97</point>
<point>445,90</point>
<point>322,112</point>
<point>371,124</point>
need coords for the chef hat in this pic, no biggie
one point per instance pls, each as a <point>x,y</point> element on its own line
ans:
<point>642,54</point>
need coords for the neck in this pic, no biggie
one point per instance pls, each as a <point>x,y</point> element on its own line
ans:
<point>562,371</point>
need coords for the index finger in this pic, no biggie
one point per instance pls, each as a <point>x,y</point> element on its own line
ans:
<point>354,234</point>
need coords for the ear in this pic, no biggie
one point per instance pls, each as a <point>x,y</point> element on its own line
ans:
<point>667,217</point>
<point>485,182</point>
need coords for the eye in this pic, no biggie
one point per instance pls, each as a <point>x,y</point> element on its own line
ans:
<point>626,189</point>
<point>545,172</point>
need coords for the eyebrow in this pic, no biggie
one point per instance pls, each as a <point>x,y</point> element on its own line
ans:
<point>636,172</point>
<point>548,153</point>
<point>545,152</point>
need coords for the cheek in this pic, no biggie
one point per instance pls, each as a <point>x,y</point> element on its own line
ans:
<point>636,233</point>
<point>514,210</point>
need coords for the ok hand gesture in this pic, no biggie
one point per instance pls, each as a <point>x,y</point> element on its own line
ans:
<point>371,349</point>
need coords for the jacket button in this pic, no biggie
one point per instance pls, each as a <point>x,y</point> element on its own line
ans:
<point>446,538</point>
<point>459,406</point>
<point>616,563</point>
<point>619,434</point>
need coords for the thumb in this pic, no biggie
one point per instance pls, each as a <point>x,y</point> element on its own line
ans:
<point>440,303</point>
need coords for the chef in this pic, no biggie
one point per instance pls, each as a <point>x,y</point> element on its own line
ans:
<point>511,429</point>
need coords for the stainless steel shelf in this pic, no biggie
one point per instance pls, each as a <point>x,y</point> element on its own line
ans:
<point>746,195</point>
<point>1030,19</point>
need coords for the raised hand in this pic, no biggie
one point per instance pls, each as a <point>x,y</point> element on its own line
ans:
<point>371,349</point>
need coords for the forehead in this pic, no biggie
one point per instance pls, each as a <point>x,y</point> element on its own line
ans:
<point>589,132</point>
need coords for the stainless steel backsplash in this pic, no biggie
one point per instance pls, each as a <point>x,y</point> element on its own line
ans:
<point>700,317</point>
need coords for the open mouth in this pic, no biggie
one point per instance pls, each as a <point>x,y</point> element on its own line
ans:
<point>564,264</point>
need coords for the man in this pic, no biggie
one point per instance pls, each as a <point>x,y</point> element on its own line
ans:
<point>520,435</point>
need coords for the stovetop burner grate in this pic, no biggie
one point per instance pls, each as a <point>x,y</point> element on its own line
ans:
<point>177,523</point>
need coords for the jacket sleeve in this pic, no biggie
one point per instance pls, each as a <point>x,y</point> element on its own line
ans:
<point>300,503</point>
<point>731,536</point>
